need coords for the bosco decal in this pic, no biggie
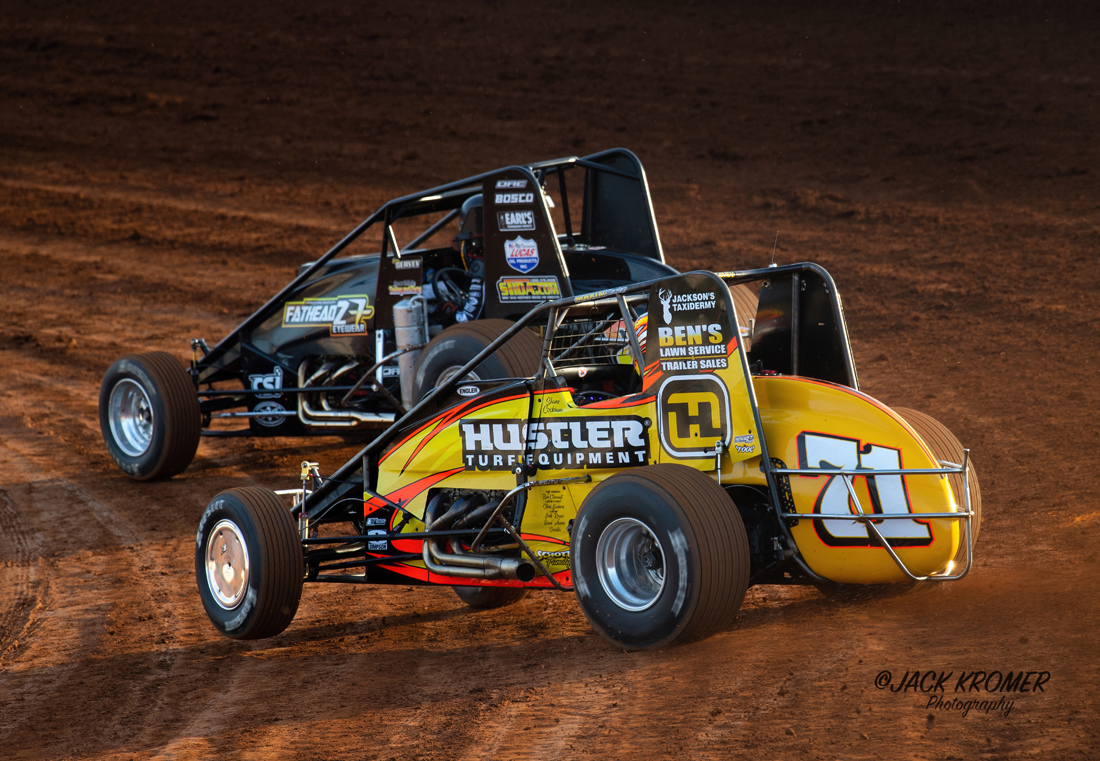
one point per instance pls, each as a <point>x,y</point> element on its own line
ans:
<point>343,315</point>
<point>515,221</point>
<point>694,414</point>
<point>514,198</point>
<point>539,288</point>
<point>560,444</point>
<point>522,254</point>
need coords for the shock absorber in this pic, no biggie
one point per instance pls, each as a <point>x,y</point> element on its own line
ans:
<point>410,327</point>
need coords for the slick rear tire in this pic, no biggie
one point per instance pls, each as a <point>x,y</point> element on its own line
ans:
<point>458,344</point>
<point>945,446</point>
<point>149,415</point>
<point>249,564</point>
<point>486,598</point>
<point>659,556</point>
<point>746,302</point>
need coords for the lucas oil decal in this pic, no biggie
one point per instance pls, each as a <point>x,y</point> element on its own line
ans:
<point>343,315</point>
<point>557,444</point>
<point>522,254</point>
<point>539,288</point>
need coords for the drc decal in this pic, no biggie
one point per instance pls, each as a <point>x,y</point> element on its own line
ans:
<point>887,494</point>
<point>522,254</point>
<point>559,444</point>
<point>515,221</point>
<point>511,184</point>
<point>538,288</point>
<point>273,381</point>
<point>343,315</point>
<point>694,414</point>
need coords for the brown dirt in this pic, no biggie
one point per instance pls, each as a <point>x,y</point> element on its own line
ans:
<point>164,167</point>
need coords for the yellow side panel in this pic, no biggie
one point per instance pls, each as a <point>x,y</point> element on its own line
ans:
<point>810,424</point>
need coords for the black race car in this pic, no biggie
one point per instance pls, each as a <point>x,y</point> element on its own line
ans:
<point>350,343</point>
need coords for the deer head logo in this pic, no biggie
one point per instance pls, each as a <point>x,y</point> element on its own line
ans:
<point>666,299</point>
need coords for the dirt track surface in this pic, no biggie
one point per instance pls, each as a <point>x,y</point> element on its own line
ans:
<point>164,169</point>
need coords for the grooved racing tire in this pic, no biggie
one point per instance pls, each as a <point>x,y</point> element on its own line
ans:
<point>249,564</point>
<point>485,598</point>
<point>149,415</point>
<point>458,344</point>
<point>746,302</point>
<point>659,555</point>
<point>945,446</point>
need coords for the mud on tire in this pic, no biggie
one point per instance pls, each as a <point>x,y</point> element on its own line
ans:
<point>249,564</point>
<point>659,555</point>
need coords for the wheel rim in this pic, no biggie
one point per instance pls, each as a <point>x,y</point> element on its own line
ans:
<point>631,564</point>
<point>131,418</point>
<point>450,372</point>
<point>227,565</point>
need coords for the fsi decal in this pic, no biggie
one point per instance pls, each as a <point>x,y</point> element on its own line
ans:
<point>343,315</point>
<point>694,413</point>
<point>272,381</point>
<point>887,493</point>
<point>540,288</point>
<point>522,254</point>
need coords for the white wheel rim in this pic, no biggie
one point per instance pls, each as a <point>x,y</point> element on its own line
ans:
<point>227,565</point>
<point>631,564</point>
<point>131,417</point>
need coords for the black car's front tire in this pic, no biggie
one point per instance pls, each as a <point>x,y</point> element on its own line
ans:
<point>659,555</point>
<point>149,415</point>
<point>249,564</point>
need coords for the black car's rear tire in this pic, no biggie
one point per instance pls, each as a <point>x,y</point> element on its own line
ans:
<point>659,555</point>
<point>149,415</point>
<point>458,344</point>
<point>485,598</point>
<point>249,564</point>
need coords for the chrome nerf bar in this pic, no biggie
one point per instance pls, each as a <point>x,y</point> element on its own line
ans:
<point>869,519</point>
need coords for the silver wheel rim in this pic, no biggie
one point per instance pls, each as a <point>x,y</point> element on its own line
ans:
<point>450,372</point>
<point>227,565</point>
<point>131,417</point>
<point>631,564</point>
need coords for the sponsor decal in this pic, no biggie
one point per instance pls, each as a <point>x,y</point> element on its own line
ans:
<point>404,287</point>
<point>559,559</point>
<point>522,254</point>
<point>510,221</point>
<point>342,315</point>
<point>511,184</point>
<point>514,198</point>
<point>744,444</point>
<point>694,413</point>
<point>377,544</point>
<point>690,333</point>
<point>406,264</point>
<point>559,444</point>
<point>374,520</point>
<point>539,288</point>
<point>269,421</point>
<point>272,381</point>
<point>468,390</point>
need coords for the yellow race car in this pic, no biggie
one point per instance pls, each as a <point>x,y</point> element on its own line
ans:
<point>655,448</point>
